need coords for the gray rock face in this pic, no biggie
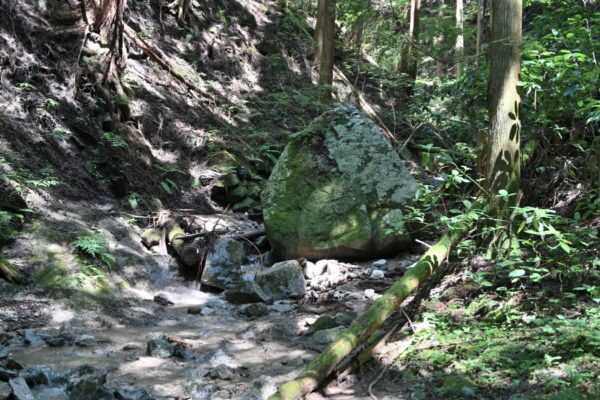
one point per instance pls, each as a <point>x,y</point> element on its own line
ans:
<point>283,280</point>
<point>159,348</point>
<point>20,390</point>
<point>337,191</point>
<point>254,310</point>
<point>89,389</point>
<point>262,388</point>
<point>222,267</point>
<point>246,292</point>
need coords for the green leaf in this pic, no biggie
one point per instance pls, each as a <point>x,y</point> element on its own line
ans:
<point>517,273</point>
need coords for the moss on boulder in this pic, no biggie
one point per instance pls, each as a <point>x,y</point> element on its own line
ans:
<point>337,191</point>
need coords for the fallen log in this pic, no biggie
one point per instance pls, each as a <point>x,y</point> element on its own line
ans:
<point>241,235</point>
<point>187,252</point>
<point>371,320</point>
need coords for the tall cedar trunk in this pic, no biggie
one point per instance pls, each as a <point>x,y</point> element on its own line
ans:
<point>503,154</point>
<point>480,14</point>
<point>325,36</point>
<point>439,64</point>
<point>459,46</point>
<point>408,60</point>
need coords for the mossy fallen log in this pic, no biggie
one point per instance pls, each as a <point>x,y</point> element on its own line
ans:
<point>187,252</point>
<point>370,321</point>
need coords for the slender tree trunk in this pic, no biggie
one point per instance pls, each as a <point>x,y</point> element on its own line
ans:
<point>503,154</point>
<point>409,61</point>
<point>480,14</point>
<point>439,64</point>
<point>325,47</point>
<point>459,46</point>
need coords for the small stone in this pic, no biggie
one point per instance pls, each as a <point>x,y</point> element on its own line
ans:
<point>32,338</point>
<point>194,310</point>
<point>3,353</point>
<point>162,299</point>
<point>327,336</point>
<point>13,364</point>
<point>246,292</point>
<point>262,388</point>
<point>131,347</point>
<point>323,322</point>
<point>55,341</point>
<point>5,391</point>
<point>85,341</point>
<point>380,263</point>
<point>159,348</point>
<point>182,351</point>
<point>132,393</point>
<point>377,274</point>
<point>254,310</point>
<point>222,372</point>
<point>282,307</point>
<point>370,294</point>
<point>6,374</point>
<point>88,389</point>
<point>207,311</point>
<point>20,390</point>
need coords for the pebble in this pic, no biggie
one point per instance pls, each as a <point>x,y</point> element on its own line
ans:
<point>377,274</point>
<point>380,263</point>
<point>3,353</point>
<point>370,294</point>
<point>162,299</point>
<point>254,310</point>
<point>194,310</point>
<point>222,372</point>
<point>13,364</point>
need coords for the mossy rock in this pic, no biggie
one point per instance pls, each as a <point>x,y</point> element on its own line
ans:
<point>337,191</point>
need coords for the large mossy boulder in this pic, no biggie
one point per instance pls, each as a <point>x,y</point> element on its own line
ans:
<point>337,191</point>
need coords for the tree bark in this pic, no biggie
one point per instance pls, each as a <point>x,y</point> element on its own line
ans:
<point>503,169</point>
<point>480,14</point>
<point>325,36</point>
<point>408,60</point>
<point>368,323</point>
<point>439,63</point>
<point>187,253</point>
<point>459,46</point>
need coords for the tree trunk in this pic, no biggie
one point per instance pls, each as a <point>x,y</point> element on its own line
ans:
<point>325,43</point>
<point>480,14</point>
<point>408,60</point>
<point>503,167</point>
<point>108,22</point>
<point>459,46</point>
<point>439,64</point>
<point>368,323</point>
